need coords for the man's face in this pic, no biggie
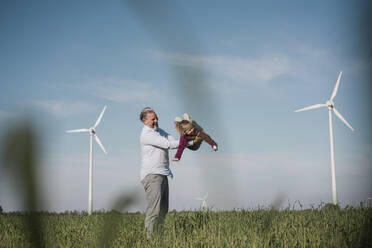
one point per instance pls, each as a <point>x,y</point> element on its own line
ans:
<point>151,121</point>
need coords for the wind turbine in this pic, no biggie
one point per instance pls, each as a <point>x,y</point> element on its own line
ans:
<point>330,105</point>
<point>203,200</point>
<point>92,131</point>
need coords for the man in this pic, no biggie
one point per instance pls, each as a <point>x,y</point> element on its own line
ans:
<point>155,145</point>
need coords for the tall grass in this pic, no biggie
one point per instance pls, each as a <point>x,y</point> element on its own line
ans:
<point>321,227</point>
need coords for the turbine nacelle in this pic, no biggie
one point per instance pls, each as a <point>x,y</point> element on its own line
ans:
<point>92,131</point>
<point>330,104</point>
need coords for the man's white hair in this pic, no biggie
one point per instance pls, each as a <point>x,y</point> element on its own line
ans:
<point>144,113</point>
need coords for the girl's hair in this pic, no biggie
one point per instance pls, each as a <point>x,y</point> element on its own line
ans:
<point>182,126</point>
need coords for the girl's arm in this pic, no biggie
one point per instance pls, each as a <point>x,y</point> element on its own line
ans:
<point>207,139</point>
<point>181,147</point>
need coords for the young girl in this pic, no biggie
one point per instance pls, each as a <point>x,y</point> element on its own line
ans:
<point>190,130</point>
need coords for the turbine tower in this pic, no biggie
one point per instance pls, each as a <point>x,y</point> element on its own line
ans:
<point>92,131</point>
<point>330,105</point>
<point>203,200</point>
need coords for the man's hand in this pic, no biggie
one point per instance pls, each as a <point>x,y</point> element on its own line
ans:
<point>215,148</point>
<point>176,159</point>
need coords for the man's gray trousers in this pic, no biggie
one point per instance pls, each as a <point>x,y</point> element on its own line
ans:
<point>157,196</point>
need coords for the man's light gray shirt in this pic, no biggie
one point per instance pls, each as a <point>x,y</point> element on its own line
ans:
<point>155,147</point>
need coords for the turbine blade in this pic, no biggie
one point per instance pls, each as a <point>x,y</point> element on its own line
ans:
<point>78,130</point>
<point>199,198</point>
<point>100,117</point>
<point>342,119</point>
<point>336,86</point>
<point>312,107</point>
<point>100,143</point>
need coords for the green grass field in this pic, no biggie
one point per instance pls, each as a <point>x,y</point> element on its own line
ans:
<point>321,227</point>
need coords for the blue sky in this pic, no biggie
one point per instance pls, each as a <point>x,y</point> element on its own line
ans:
<point>239,68</point>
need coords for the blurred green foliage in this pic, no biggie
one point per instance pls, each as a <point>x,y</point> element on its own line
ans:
<point>41,229</point>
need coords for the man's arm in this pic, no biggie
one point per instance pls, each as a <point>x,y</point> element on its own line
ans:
<point>173,143</point>
<point>153,139</point>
